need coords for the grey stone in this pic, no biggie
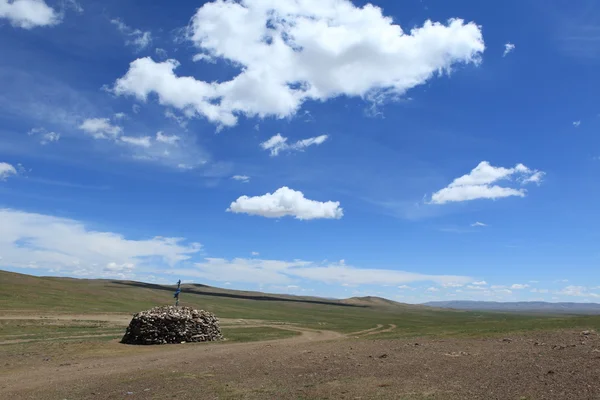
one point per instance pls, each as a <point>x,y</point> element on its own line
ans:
<point>170,324</point>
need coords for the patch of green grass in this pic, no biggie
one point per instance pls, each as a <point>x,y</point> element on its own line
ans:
<point>34,294</point>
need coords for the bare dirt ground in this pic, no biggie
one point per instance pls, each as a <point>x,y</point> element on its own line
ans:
<point>313,365</point>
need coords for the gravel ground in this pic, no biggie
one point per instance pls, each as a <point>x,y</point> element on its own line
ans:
<point>326,365</point>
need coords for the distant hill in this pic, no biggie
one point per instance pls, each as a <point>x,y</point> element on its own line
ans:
<point>521,307</point>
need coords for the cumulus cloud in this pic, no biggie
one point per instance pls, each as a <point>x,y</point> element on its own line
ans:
<point>479,283</point>
<point>285,272</point>
<point>479,184</point>
<point>135,37</point>
<point>67,246</point>
<point>241,178</point>
<point>6,170</point>
<point>278,143</point>
<point>508,48</point>
<point>141,141</point>
<point>255,253</point>
<point>100,128</point>
<point>576,124</point>
<point>289,52</point>
<point>286,202</point>
<point>28,14</point>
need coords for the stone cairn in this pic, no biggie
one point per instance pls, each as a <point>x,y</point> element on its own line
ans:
<point>171,324</point>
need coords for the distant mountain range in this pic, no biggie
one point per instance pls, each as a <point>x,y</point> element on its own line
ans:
<point>522,306</point>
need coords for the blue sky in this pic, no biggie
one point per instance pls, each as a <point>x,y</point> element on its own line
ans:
<point>416,150</point>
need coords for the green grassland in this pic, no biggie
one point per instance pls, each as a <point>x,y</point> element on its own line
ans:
<point>27,294</point>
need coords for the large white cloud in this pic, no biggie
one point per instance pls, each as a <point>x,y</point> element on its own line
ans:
<point>28,14</point>
<point>280,272</point>
<point>479,183</point>
<point>286,202</point>
<point>6,170</point>
<point>292,51</point>
<point>66,246</point>
<point>277,144</point>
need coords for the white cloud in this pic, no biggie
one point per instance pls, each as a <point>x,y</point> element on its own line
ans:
<point>478,184</point>
<point>241,178</point>
<point>204,57</point>
<point>287,272</point>
<point>288,52</point>
<point>452,285</point>
<point>286,202</point>
<point>28,14</point>
<point>45,136</point>
<point>29,240</point>
<point>6,170</point>
<point>432,289</point>
<point>120,115</point>
<point>405,287</point>
<point>278,143</point>
<point>534,290</point>
<point>479,283</point>
<point>137,38</point>
<point>167,139</point>
<point>100,128</point>
<point>576,124</point>
<point>508,48</point>
<point>50,137</point>
<point>478,224</point>
<point>519,286</point>
<point>255,253</point>
<point>578,291</point>
<point>141,141</point>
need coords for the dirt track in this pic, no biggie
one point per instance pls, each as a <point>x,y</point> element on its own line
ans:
<point>322,364</point>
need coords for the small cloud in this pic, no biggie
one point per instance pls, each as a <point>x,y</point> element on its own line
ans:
<point>519,286</point>
<point>120,115</point>
<point>508,48</point>
<point>45,136</point>
<point>136,108</point>
<point>534,290</point>
<point>137,38</point>
<point>478,224</point>
<point>286,202</point>
<point>405,287</point>
<point>576,124</point>
<point>167,139</point>
<point>452,285</point>
<point>255,254</point>
<point>278,143</point>
<point>204,57</point>
<point>28,14</point>
<point>241,178</point>
<point>479,283</point>
<point>161,53</point>
<point>6,170</point>
<point>432,289</point>
<point>181,121</point>
<point>100,128</point>
<point>141,141</point>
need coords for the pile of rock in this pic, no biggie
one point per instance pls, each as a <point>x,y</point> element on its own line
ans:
<point>169,324</point>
